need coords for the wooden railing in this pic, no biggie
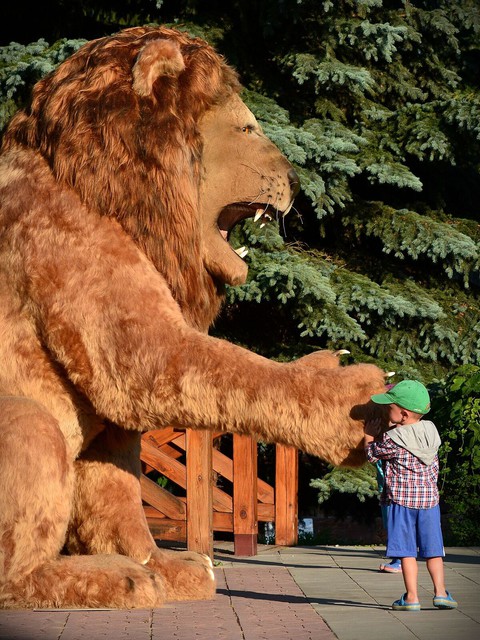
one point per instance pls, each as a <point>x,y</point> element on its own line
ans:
<point>191,461</point>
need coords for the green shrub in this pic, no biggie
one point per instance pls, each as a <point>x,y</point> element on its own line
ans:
<point>456,413</point>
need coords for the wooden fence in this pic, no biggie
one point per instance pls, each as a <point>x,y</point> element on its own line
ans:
<point>216,492</point>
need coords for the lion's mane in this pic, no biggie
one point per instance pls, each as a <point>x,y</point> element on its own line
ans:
<point>150,146</point>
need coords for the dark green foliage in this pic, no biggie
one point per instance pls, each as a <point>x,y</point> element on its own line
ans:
<point>349,492</point>
<point>21,66</point>
<point>385,105</point>
<point>24,22</point>
<point>456,412</point>
<point>361,483</point>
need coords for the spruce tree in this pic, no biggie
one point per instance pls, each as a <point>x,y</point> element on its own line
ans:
<point>378,107</point>
<point>377,104</point>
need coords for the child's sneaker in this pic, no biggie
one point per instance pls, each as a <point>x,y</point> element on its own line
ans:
<point>445,602</point>
<point>395,566</point>
<point>401,605</point>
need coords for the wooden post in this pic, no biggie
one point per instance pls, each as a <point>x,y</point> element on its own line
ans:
<point>286,496</point>
<point>245,522</point>
<point>199,492</point>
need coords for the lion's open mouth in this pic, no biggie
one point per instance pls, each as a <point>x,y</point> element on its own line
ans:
<point>224,262</point>
<point>231,215</point>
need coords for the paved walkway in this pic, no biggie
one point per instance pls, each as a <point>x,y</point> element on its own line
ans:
<point>283,593</point>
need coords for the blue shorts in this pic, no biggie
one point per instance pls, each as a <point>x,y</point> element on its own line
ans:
<point>412,531</point>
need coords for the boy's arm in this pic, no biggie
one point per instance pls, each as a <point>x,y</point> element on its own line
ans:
<point>372,429</point>
<point>383,449</point>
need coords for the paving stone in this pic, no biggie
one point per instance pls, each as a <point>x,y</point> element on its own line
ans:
<point>299,593</point>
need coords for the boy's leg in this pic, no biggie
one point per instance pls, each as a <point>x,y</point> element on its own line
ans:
<point>435,569</point>
<point>442,598</point>
<point>410,574</point>
<point>402,543</point>
<point>430,542</point>
<point>395,565</point>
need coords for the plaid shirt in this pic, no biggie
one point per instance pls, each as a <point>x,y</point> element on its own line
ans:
<point>408,481</point>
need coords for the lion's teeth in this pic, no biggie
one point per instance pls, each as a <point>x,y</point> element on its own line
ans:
<point>258,215</point>
<point>287,211</point>
<point>262,225</point>
<point>268,217</point>
<point>241,251</point>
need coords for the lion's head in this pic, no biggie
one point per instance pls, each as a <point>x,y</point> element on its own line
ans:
<point>147,126</point>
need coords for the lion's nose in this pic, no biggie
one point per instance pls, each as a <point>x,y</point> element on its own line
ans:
<point>294,181</point>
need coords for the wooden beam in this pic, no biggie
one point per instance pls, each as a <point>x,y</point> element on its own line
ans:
<point>166,529</point>
<point>199,492</point>
<point>177,472</point>
<point>168,515</point>
<point>151,512</point>
<point>174,470</point>
<point>266,512</point>
<point>223,465</point>
<point>286,496</point>
<point>162,499</point>
<point>221,500</point>
<point>245,521</point>
<point>222,521</point>
<point>159,437</point>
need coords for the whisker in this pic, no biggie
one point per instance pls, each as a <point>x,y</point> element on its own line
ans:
<point>256,198</point>
<point>255,170</point>
<point>274,205</point>
<point>298,213</point>
<point>284,228</point>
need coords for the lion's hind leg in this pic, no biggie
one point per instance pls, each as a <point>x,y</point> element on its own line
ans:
<point>112,581</point>
<point>36,477</point>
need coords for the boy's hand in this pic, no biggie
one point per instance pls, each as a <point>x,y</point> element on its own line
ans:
<point>373,427</point>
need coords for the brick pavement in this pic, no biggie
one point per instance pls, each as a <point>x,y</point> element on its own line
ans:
<point>283,593</point>
<point>269,604</point>
<point>252,603</point>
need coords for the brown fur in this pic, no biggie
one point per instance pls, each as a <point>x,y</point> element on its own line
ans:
<point>114,183</point>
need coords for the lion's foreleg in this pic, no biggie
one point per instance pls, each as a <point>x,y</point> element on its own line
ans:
<point>108,517</point>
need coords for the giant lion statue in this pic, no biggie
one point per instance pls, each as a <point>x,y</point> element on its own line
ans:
<point>120,184</point>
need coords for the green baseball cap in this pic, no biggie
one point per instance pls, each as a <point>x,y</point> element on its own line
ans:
<point>409,394</point>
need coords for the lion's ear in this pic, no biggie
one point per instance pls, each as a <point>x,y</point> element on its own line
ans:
<point>157,58</point>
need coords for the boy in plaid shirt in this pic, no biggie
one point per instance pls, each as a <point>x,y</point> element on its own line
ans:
<point>409,451</point>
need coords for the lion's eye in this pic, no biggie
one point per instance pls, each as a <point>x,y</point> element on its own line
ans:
<point>247,129</point>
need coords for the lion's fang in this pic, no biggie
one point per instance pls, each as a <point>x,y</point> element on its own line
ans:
<point>258,215</point>
<point>242,251</point>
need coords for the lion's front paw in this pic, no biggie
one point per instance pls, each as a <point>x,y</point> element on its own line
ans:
<point>187,575</point>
